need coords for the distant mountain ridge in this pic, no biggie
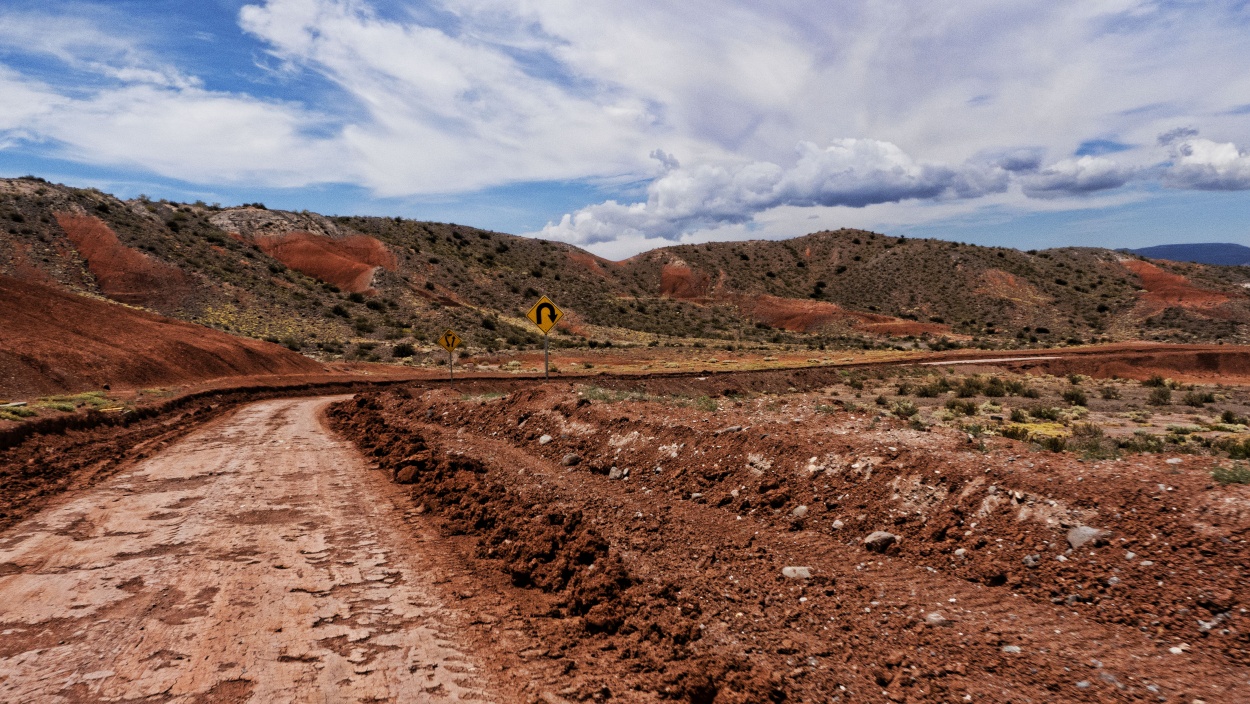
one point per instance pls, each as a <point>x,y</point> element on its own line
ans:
<point>1216,253</point>
<point>374,287</point>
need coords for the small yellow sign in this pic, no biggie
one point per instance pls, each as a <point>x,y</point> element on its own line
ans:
<point>545,314</point>
<point>450,340</point>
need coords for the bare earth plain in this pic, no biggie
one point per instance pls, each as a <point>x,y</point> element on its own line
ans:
<point>698,539</point>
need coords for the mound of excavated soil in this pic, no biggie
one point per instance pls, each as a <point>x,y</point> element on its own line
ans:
<point>122,273</point>
<point>52,341</point>
<point>1166,290</point>
<point>347,262</point>
<point>649,550</point>
<point>1228,365</point>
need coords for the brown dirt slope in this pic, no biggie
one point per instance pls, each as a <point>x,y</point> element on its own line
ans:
<point>52,341</point>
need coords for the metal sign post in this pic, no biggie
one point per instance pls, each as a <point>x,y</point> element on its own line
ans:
<point>545,315</point>
<point>450,341</point>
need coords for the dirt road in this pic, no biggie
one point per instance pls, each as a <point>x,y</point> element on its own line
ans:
<point>253,559</point>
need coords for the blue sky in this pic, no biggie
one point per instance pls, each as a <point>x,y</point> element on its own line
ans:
<point>621,126</point>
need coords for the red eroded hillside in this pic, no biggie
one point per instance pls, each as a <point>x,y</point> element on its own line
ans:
<point>799,315</point>
<point>348,263</point>
<point>52,341</point>
<point>122,273</point>
<point>1167,290</point>
<point>683,283</point>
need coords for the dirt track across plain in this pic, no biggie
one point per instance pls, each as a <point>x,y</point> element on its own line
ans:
<point>252,560</point>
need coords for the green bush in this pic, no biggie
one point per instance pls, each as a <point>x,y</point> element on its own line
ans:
<point>1015,387</point>
<point>962,406</point>
<point>1231,475</point>
<point>1160,396</point>
<point>969,387</point>
<point>1019,415</point>
<point>1198,399</point>
<point>1142,441</point>
<point>1075,397</point>
<point>1016,432</point>
<point>1054,443</point>
<point>705,404</point>
<point>1155,381</point>
<point>1044,413</point>
<point>904,409</point>
<point>402,350</point>
<point>1109,392</point>
<point>1236,449</point>
<point>1232,418</point>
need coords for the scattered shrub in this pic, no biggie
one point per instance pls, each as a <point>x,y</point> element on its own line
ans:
<point>1155,381</point>
<point>1110,393</point>
<point>1045,413</point>
<point>402,350</point>
<point>1054,443</point>
<point>961,406</point>
<point>1233,419</point>
<point>1231,475</point>
<point>904,409</point>
<point>1160,396</point>
<point>995,388</point>
<point>1019,415</point>
<point>1198,399</point>
<point>969,387</point>
<point>1075,397</point>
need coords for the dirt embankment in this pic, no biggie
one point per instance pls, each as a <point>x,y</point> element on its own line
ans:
<point>124,274</point>
<point>1228,364</point>
<point>640,549</point>
<point>55,342</point>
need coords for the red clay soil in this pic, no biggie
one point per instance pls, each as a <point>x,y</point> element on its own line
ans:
<point>684,283</point>
<point>1166,290</point>
<point>52,341</point>
<point>121,273</point>
<point>1000,284</point>
<point>799,315</point>
<point>348,263</point>
<point>591,262</point>
<point>644,551</point>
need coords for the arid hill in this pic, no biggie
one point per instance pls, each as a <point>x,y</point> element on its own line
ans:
<point>52,341</point>
<point>361,286</point>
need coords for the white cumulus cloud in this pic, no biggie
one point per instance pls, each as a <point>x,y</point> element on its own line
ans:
<point>1085,174</point>
<point>1203,164</point>
<point>848,172</point>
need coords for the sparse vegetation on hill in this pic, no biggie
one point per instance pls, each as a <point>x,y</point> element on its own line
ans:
<point>364,287</point>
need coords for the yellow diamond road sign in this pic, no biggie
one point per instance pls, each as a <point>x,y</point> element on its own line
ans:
<point>450,340</point>
<point>545,314</point>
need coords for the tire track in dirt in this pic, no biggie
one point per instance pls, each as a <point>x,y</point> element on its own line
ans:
<point>253,560</point>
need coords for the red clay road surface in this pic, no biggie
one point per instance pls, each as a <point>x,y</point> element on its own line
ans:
<point>254,559</point>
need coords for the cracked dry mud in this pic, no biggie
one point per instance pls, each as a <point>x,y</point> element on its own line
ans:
<point>253,560</point>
